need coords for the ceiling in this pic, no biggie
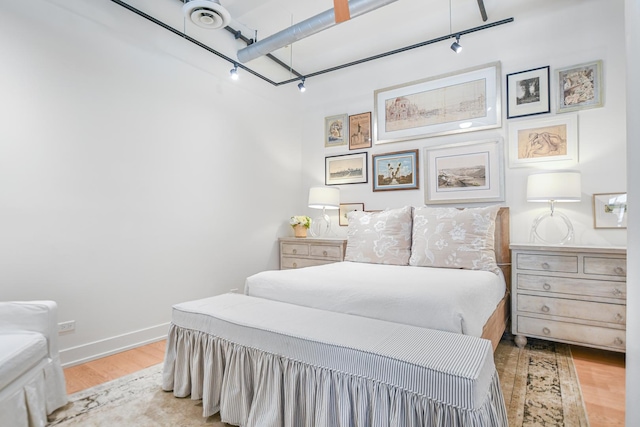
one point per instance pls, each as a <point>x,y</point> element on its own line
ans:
<point>394,26</point>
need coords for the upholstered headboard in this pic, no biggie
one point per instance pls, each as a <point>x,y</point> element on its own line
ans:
<point>501,245</point>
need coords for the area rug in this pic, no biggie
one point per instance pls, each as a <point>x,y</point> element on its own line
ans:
<point>539,385</point>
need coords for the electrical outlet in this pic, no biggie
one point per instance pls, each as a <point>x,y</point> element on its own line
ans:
<point>66,327</point>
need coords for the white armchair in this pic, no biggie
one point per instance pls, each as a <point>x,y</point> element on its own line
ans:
<point>31,378</point>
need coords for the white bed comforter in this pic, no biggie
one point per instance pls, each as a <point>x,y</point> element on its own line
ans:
<point>451,300</point>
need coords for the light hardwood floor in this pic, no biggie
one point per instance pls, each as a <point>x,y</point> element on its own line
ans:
<point>601,375</point>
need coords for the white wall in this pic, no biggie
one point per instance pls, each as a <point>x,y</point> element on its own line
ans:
<point>133,173</point>
<point>564,33</point>
<point>632,15</point>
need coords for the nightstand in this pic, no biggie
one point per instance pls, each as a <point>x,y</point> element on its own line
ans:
<point>571,294</point>
<point>306,252</point>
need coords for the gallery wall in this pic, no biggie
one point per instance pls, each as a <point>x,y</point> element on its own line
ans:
<point>558,35</point>
<point>134,174</point>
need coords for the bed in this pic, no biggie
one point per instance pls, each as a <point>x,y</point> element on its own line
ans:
<point>467,301</point>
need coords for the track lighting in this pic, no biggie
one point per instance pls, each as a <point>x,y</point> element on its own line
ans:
<point>234,72</point>
<point>301,86</point>
<point>456,46</point>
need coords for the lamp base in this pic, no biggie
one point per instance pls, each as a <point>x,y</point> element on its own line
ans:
<point>547,218</point>
<point>321,226</point>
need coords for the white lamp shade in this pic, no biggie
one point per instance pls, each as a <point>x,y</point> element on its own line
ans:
<point>324,198</point>
<point>554,186</point>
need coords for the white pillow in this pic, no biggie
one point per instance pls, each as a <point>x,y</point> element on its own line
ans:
<point>380,237</point>
<point>454,238</point>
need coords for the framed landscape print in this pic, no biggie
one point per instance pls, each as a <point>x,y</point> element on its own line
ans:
<point>528,92</point>
<point>543,140</point>
<point>396,171</point>
<point>345,169</point>
<point>610,210</point>
<point>345,208</point>
<point>580,87</point>
<point>464,101</point>
<point>470,172</point>
<point>336,129</point>
<point>360,131</point>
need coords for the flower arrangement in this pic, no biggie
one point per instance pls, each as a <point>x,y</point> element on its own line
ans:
<point>300,220</point>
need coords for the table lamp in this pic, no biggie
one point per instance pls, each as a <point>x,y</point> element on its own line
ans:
<point>323,198</point>
<point>553,187</point>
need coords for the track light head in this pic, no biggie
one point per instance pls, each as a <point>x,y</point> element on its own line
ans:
<point>456,46</point>
<point>234,72</point>
<point>301,87</point>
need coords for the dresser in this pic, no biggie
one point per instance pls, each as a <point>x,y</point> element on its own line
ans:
<point>571,294</point>
<point>306,252</point>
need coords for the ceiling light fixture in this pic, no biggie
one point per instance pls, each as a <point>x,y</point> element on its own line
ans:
<point>234,72</point>
<point>456,46</point>
<point>301,87</point>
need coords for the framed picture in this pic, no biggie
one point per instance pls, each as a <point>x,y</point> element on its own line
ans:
<point>464,101</point>
<point>580,87</point>
<point>396,171</point>
<point>345,208</point>
<point>543,140</point>
<point>360,131</point>
<point>528,92</point>
<point>345,169</point>
<point>335,130</point>
<point>610,210</point>
<point>470,172</point>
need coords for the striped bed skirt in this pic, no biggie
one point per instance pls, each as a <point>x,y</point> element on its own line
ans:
<point>265,363</point>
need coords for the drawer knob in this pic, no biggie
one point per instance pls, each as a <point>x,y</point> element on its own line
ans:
<point>295,251</point>
<point>546,266</point>
<point>546,286</point>
<point>546,331</point>
<point>545,309</point>
<point>618,341</point>
<point>324,253</point>
<point>617,292</point>
<point>619,270</point>
<point>295,265</point>
<point>619,317</point>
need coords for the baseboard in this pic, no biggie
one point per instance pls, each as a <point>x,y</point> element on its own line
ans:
<point>106,347</point>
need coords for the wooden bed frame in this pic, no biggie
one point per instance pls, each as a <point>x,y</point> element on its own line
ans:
<point>499,320</point>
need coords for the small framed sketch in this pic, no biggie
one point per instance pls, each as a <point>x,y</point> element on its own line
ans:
<point>469,172</point>
<point>345,208</point>
<point>345,169</point>
<point>580,87</point>
<point>528,93</point>
<point>543,140</point>
<point>396,171</point>
<point>610,210</point>
<point>335,130</point>
<point>360,131</point>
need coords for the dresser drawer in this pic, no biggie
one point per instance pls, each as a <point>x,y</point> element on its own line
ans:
<point>295,249</point>
<point>290,262</point>
<point>564,331</point>
<point>325,251</point>
<point>554,263</point>
<point>564,285</point>
<point>585,310</point>
<point>605,266</point>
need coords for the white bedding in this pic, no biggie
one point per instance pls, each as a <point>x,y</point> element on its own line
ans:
<point>451,300</point>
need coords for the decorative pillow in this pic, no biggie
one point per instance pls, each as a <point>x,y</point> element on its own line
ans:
<point>454,238</point>
<point>379,238</point>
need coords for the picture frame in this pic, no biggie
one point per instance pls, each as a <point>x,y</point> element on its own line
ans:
<point>610,210</point>
<point>336,129</point>
<point>579,87</point>
<point>463,101</point>
<point>346,169</point>
<point>360,131</point>
<point>467,172</point>
<point>528,92</point>
<point>345,208</point>
<point>396,171</point>
<point>551,139</point>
